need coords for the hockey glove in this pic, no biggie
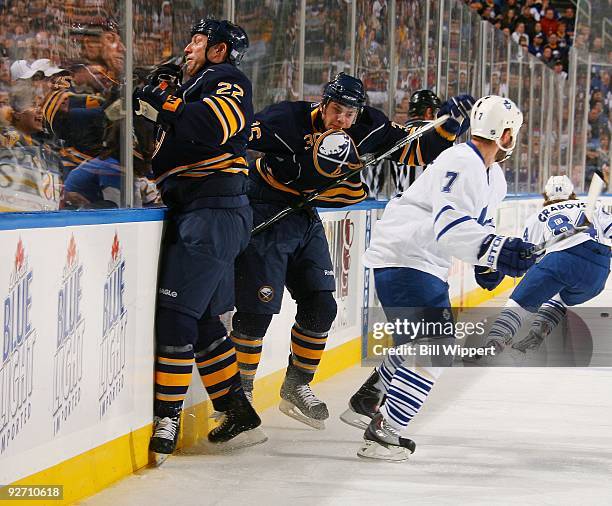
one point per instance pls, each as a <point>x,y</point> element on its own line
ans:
<point>458,108</point>
<point>169,73</point>
<point>509,255</point>
<point>157,104</point>
<point>486,278</point>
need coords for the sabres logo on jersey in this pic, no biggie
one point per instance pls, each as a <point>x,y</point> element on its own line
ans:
<point>334,153</point>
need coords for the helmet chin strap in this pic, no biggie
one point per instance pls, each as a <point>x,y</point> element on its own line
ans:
<point>507,150</point>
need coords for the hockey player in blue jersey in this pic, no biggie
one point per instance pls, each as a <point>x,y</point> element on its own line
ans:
<point>306,146</point>
<point>572,272</point>
<point>448,212</point>
<point>200,168</point>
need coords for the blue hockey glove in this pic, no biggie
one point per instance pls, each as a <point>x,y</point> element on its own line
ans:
<point>157,104</point>
<point>509,255</point>
<point>486,278</point>
<point>459,108</point>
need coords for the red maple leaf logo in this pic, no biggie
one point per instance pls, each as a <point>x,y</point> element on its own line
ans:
<point>115,248</point>
<point>19,256</point>
<point>70,257</point>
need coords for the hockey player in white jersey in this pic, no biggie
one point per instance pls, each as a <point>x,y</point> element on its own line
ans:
<point>447,212</point>
<point>572,271</point>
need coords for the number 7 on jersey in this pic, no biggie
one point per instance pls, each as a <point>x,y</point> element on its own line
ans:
<point>452,176</point>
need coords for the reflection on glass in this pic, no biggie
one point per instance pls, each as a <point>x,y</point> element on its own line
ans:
<point>60,88</point>
<point>327,44</point>
<point>272,60</point>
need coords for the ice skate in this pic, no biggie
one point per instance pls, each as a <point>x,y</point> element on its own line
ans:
<point>218,415</point>
<point>164,438</point>
<point>381,441</point>
<point>531,343</point>
<point>239,426</point>
<point>300,403</point>
<point>364,404</point>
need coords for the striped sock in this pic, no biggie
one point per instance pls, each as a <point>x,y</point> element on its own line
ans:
<point>218,368</point>
<point>173,367</point>
<point>507,325</point>
<point>406,394</point>
<point>549,316</point>
<point>387,370</point>
<point>248,354</point>
<point>307,348</point>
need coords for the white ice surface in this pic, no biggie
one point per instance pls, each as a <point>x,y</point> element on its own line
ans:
<point>485,437</point>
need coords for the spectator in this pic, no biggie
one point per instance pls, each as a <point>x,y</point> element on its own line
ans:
<point>558,69</point>
<point>563,38</point>
<point>526,17</point>
<point>519,31</point>
<point>558,53</point>
<point>569,18</point>
<point>549,23</point>
<point>597,45</point>
<point>547,55</point>
<point>537,46</point>
<point>508,19</point>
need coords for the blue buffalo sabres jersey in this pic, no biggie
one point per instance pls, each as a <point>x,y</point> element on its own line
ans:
<point>210,136</point>
<point>286,133</point>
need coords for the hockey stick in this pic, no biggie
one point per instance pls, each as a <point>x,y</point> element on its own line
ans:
<point>366,161</point>
<point>595,189</point>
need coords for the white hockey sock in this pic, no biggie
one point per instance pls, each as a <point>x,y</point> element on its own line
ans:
<point>549,316</point>
<point>507,323</point>
<point>406,394</point>
<point>387,369</point>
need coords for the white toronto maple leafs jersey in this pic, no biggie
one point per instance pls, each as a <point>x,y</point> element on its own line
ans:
<point>560,217</point>
<point>448,211</point>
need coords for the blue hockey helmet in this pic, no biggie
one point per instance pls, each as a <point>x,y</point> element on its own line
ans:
<point>346,90</point>
<point>224,31</point>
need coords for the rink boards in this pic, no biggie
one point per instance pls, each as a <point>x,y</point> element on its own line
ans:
<point>76,378</point>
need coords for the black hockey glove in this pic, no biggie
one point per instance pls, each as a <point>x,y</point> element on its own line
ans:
<point>459,108</point>
<point>509,255</point>
<point>157,104</point>
<point>486,278</point>
<point>169,73</point>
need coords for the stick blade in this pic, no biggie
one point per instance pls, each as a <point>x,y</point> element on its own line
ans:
<point>595,190</point>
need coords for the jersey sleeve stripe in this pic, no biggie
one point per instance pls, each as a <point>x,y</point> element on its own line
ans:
<point>445,135</point>
<point>237,112</point>
<point>419,154</point>
<point>210,102</point>
<point>445,208</point>
<point>229,116</point>
<point>452,224</point>
<point>402,158</point>
<point>607,228</point>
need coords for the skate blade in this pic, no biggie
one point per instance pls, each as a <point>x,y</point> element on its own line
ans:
<point>159,458</point>
<point>354,419</point>
<point>291,410</point>
<point>217,416</point>
<point>373,450</point>
<point>243,440</point>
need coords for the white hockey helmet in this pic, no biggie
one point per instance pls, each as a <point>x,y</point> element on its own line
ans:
<point>558,188</point>
<point>492,115</point>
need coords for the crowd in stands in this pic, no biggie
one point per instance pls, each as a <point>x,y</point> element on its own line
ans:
<point>599,122</point>
<point>537,25</point>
